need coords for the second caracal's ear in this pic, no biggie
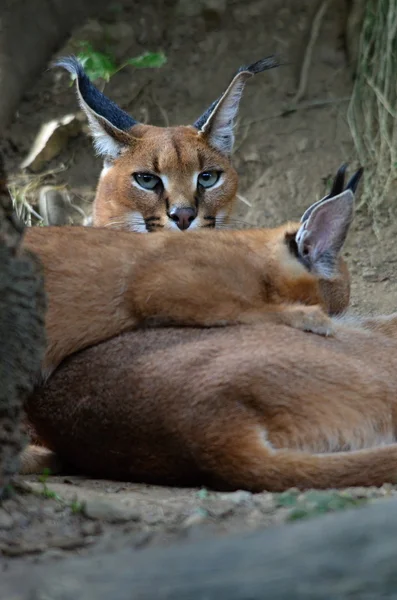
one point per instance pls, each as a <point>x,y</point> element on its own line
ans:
<point>338,186</point>
<point>320,239</point>
<point>108,123</point>
<point>217,123</point>
<point>325,226</point>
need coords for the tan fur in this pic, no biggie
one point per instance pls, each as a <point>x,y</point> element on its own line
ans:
<point>192,181</point>
<point>101,283</point>
<point>177,153</point>
<point>194,406</point>
<point>255,407</point>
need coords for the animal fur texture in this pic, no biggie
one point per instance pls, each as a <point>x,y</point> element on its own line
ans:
<point>256,405</point>
<point>100,282</point>
<point>157,178</point>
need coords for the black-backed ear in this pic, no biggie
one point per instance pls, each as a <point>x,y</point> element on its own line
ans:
<point>108,123</point>
<point>337,188</point>
<point>355,180</point>
<point>321,237</point>
<point>338,184</point>
<point>217,123</point>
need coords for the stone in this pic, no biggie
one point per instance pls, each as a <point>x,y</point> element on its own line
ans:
<point>111,512</point>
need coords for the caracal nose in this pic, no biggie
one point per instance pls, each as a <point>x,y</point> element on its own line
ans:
<point>183,217</point>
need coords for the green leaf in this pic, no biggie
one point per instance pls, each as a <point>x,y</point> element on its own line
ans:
<point>148,60</point>
<point>97,65</point>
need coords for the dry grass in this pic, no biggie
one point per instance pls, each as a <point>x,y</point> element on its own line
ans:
<point>24,189</point>
<point>372,113</point>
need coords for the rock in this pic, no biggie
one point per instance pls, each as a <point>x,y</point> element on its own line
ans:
<point>239,497</point>
<point>6,521</point>
<point>370,275</point>
<point>196,518</point>
<point>302,144</point>
<point>111,512</point>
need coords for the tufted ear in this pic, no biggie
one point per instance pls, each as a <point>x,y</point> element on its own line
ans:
<point>337,188</point>
<point>217,123</point>
<point>325,225</point>
<point>108,123</point>
<point>321,237</point>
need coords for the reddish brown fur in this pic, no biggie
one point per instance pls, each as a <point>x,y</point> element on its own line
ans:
<point>178,153</point>
<point>101,283</point>
<point>255,407</point>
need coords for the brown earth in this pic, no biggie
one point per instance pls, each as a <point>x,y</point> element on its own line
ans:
<point>284,163</point>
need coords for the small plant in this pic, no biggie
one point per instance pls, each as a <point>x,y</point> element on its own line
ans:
<point>202,494</point>
<point>46,491</point>
<point>99,65</point>
<point>76,506</point>
<point>314,503</point>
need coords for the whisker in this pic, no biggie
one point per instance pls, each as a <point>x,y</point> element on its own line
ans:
<point>111,223</point>
<point>241,222</point>
<point>244,200</point>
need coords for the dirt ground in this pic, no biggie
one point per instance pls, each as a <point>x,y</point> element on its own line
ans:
<point>284,163</point>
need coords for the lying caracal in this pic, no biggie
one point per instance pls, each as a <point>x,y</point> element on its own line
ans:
<point>101,282</point>
<point>256,406</point>
<point>163,177</point>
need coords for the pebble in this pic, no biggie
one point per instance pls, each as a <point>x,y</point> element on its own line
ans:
<point>111,512</point>
<point>370,275</point>
<point>197,517</point>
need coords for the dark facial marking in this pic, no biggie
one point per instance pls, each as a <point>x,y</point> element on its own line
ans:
<point>201,159</point>
<point>155,163</point>
<point>293,249</point>
<point>177,151</point>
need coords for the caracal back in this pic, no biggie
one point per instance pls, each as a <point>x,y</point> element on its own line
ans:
<point>101,282</point>
<point>257,406</point>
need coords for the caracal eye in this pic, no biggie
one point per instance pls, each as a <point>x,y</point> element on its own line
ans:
<point>147,181</point>
<point>208,178</point>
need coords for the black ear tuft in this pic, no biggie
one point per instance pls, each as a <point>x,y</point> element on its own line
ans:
<point>94,99</point>
<point>264,64</point>
<point>355,180</point>
<point>339,181</point>
<point>338,186</point>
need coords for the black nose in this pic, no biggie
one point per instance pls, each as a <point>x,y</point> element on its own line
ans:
<point>183,217</point>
